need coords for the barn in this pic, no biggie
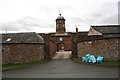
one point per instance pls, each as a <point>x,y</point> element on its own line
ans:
<point>22,47</point>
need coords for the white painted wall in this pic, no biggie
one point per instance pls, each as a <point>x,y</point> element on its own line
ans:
<point>92,31</point>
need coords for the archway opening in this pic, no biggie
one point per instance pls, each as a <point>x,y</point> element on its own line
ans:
<point>61,47</point>
<point>61,52</point>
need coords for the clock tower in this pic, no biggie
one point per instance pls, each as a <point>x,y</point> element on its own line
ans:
<point>60,25</point>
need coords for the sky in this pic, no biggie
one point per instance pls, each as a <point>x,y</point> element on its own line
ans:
<point>40,15</point>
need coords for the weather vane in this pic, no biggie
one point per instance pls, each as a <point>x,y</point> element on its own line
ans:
<point>60,12</point>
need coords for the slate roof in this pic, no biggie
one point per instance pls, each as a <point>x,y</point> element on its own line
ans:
<point>41,34</point>
<point>83,33</point>
<point>30,37</point>
<point>99,37</point>
<point>107,29</point>
<point>58,35</point>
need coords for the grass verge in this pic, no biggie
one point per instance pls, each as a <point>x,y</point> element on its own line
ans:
<point>7,67</point>
<point>115,63</point>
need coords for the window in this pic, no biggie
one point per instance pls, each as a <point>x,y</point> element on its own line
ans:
<point>60,24</point>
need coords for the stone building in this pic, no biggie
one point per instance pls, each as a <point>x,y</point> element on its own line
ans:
<point>101,40</point>
<point>22,48</point>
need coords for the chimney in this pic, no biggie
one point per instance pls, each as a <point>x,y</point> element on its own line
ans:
<point>76,29</point>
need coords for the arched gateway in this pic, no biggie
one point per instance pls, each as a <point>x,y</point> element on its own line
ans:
<point>60,46</point>
<point>61,40</point>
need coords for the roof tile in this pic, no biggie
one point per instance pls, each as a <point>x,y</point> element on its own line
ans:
<point>30,37</point>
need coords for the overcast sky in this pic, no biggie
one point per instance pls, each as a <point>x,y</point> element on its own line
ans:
<point>39,15</point>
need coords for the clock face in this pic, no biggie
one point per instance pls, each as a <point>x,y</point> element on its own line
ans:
<point>61,39</point>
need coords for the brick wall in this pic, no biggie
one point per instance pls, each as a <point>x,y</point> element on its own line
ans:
<point>54,43</point>
<point>52,49</point>
<point>108,48</point>
<point>22,53</point>
<point>68,45</point>
<point>67,42</point>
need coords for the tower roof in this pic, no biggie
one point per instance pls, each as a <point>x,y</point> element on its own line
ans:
<point>60,17</point>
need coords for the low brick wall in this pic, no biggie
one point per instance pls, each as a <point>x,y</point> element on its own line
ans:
<point>108,48</point>
<point>22,53</point>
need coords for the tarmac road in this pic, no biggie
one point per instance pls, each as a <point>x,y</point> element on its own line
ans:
<point>63,68</point>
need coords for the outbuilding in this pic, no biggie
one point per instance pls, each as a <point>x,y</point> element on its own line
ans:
<point>22,47</point>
